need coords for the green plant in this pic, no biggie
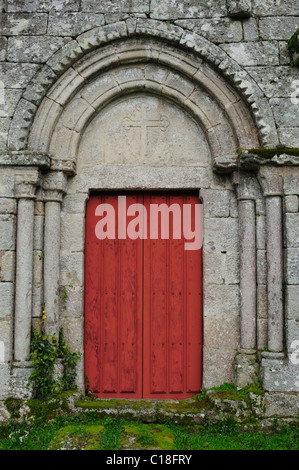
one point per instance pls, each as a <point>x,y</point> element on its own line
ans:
<point>45,350</point>
<point>64,295</point>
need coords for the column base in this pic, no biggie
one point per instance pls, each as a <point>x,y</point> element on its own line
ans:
<point>246,367</point>
<point>278,373</point>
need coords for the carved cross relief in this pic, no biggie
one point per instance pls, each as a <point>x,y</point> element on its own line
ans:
<point>144,121</point>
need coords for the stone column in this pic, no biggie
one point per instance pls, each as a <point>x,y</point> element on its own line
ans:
<point>54,186</point>
<point>246,365</point>
<point>271,182</point>
<point>25,186</point>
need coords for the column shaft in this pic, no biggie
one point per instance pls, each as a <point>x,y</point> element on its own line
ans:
<point>247,273</point>
<point>24,261</point>
<point>51,266</point>
<point>274,273</point>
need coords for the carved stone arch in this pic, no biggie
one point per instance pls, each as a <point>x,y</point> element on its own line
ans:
<point>152,68</point>
<point>66,59</point>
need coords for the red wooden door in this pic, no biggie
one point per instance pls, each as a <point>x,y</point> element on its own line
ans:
<point>143,298</point>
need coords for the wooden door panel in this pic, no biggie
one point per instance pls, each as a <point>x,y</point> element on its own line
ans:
<point>143,307</point>
<point>113,308</point>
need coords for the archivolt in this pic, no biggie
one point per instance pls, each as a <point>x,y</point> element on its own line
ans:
<point>83,67</point>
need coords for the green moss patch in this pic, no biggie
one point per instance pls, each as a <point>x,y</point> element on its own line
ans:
<point>293,43</point>
<point>78,437</point>
<point>142,436</point>
<point>269,153</point>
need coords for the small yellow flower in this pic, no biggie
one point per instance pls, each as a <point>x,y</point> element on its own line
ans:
<point>44,317</point>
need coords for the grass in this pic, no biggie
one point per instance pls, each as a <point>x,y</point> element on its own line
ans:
<point>87,431</point>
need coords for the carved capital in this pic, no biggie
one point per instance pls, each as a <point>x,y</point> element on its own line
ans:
<point>271,181</point>
<point>246,185</point>
<point>54,186</point>
<point>25,184</point>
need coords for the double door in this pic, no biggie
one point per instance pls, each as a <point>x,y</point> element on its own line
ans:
<point>143,296</point>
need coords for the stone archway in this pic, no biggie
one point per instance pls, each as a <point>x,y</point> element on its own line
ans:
<point>119,84</point>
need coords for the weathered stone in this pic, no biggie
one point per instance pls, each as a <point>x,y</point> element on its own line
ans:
<point>7,266</point>
<point>15,24</point>
<point>3,48</point>
<point>214,267</point>
<point>224,406</point>
<point>5,390</point>
<point>245,368</point>
<point>73,24</point>
<point>280,404</point>
<point>33,49</point>
<point>11,98</point>
<point>24,158</point>
<point>278,28</point>
<point>7,297</point>
<point>216,203</point>
<point>292,232</point>
<point>42,5</point>
<point>114,6</point>
<point>7,206</point>
<point>251,53</point>
<point>270,8</point>
<point>261,334</point>
<point>4,128</point>
<point>276,81</point>
<point>39,85</point>
<point>221,234</point>
<point>232,268</point>
<point>65,57</point>
<point>261,267</point>
<point>222,332</point>
<point>7,232</point>
<point>218,367</point>
<point>72,232</point>
<point>292,302</point>
<point>16,75</point>
<point>262,303</point>
<point>284,53</point>
<point>222,300</point>
<point>19,380</point>
<point>218,30</point>
<point>250,29</point>
<point>239,8</point>
<point>169,10</point>
<point>291,184</point>
<point>71,265</point>
<point>18,132</point>
<point>285,111</point>
<point>292,266</point>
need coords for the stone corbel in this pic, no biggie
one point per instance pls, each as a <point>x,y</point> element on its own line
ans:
<point>54,187</point>
<point>25,187</point>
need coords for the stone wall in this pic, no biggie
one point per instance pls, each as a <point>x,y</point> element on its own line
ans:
<point>236,54</point>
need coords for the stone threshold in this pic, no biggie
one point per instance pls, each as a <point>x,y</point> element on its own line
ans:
<point>206,408</point>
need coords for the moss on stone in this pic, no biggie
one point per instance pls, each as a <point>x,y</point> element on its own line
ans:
<point>269,153</point>
<point>50,409</point>
<point>13,405</point>
<point>142,436</point>
<point>98,404</point>
<point>78,437</point>
<point>293,43</point>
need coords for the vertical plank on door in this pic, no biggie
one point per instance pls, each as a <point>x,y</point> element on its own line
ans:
<point>172,342</point>
<point>113,308</point>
